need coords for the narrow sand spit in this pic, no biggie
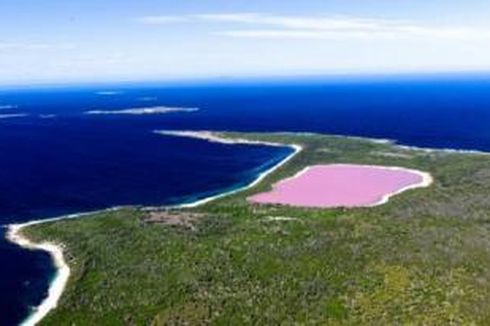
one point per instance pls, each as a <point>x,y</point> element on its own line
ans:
<point>215,137</point>
<point>343,185</point>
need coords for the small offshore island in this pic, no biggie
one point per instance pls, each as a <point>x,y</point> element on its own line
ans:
<point>421,258</point>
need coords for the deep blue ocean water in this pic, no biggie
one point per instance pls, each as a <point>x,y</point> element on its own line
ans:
<point>58,160</point>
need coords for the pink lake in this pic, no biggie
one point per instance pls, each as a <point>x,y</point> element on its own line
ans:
<point>343,185</point>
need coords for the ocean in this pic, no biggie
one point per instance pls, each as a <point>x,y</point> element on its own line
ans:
<point>56,159</point>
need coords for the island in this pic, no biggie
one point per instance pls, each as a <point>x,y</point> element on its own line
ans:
<point>419,257</point>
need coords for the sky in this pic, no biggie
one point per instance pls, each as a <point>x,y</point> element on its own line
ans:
<point>110,40</point>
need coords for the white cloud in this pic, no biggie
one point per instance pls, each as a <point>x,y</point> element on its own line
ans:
<point>16,46</point>
<point>294,22</point>
<point>291,34</point>
<point>255,25</point>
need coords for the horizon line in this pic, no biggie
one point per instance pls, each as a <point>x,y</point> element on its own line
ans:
<point>242,78</point>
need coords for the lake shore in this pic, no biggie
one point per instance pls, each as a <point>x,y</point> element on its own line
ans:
<point>322,191</point>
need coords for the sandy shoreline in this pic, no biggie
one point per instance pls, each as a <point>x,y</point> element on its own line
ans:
<point>14,233</point>
<point>60,280</point>
<point>58,284</point>
<point>214,137</point>
<point>55,250</point>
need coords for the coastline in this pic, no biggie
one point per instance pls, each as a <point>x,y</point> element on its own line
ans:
<point>60,280</point>
<point>55,250</point>
<point>214,137</point>
<point>58,284</point>
<point>211,136</point>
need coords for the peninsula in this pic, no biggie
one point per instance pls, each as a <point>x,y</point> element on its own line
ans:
<point>420,257</point>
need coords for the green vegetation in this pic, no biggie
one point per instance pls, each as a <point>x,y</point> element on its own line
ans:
<point>422,259</point>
